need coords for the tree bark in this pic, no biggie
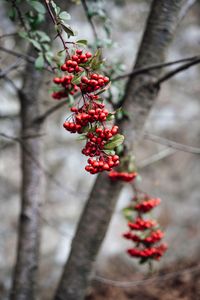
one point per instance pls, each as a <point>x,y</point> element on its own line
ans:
<point>139,97</point>
<point>25,273</point>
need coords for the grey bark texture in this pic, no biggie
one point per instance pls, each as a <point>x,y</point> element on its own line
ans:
<point>139,97</point>
<point>25,273</point>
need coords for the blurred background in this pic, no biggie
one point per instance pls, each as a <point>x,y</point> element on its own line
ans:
<point>173,175</point>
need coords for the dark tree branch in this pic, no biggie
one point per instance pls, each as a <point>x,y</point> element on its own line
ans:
<point>172,73</point>
<point>29,59</point>
<point>147,68</point>
<point>139,97</point>
<point>10,68</point>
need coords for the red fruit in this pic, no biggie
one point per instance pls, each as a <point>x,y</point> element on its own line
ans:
<point>106,79</point>
<point>64,67</point>
<point>57,80</point>
<point>78,51</point>
<point>88,54</point>
<point>75,57</point>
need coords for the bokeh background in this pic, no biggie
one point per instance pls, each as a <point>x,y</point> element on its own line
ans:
<point>174,177</point>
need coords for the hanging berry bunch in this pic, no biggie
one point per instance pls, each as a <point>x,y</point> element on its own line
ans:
<point>89,116</point>
<point>144,232</point>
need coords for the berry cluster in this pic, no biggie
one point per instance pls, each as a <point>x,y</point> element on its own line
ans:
<point>140,224</point>
<point>145,232</point>
<point>148,253</point>
<point>89,116</point>
<point>123,176</point>
<point>147,205</point>
<point>66,87</point>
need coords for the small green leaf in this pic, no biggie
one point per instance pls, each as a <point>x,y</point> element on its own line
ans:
<point>39,7</point>
<point>128,213</point>
<point>82,42</point>
<point>110,117</point>
<point>43,36</point>
<point>23,34</point>
<point>55,7</point>
<point>109,152</point>
<point>114,142</point>
<point>36,44</point>
<point>70,100</point>
<point>67,29</point>
<point>96,60</point>
<point>39,63</point>
<point>64,16</point>
<point>82,137</point>
<point>77,79</point>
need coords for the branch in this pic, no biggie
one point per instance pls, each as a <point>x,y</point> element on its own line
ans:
<point>155,158</point>
<point>145,69</point>
<point>55,23</point>
<point>171,144</point>
<point>27,58</point>
<point>10,68</point>
<point>86,9</point>
<point>172,73</point>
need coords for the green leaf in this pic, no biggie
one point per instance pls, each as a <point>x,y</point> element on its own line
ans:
<point>36,44</point>
<point>109,152</point>
<point>70,100</point>
<point>55,7</point>
<point>82,137</point>
<point>82,42</point>
<point>114,142</point>
<point>77,79</point>
<point>43,36</point>
<point>64,16</point>
<point>110,117</point>
<point>67,29</point>
<point>39,63</point>
<point>23,34</point>
<point>96,60</point>
<point>128,213</point>
<point>39,7</point>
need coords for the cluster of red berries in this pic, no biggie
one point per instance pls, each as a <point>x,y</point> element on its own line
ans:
<point>140,224</point>
<point>145,232</point>
<point>147,204</point>
<point>123,176</point>
<point>75,62</point>
<point>93,82</point>
<point>67,87</point>
<point>89,116</point>
<point>154,237</point>
<point>148,253</point>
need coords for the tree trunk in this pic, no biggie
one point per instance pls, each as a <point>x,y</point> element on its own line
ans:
<point>139,97</point>
<point>25,273</point>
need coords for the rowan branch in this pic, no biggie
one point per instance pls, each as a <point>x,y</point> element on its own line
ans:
<point>86,9</point>
<point>172,73</point>
<point>171,144</point>
<point>10,68</point>
<point>145,69</point>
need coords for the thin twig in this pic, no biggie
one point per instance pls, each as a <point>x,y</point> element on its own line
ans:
<point>29,59</point>
<point>55,23</point>
<point>8,35</point>
<point>10,68</point>
<point>86,9</point>
<point>156,157</point>
<point>144,282</point>
<point>172,73</point>
<point>171,144</point>
<point>154,67</point>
